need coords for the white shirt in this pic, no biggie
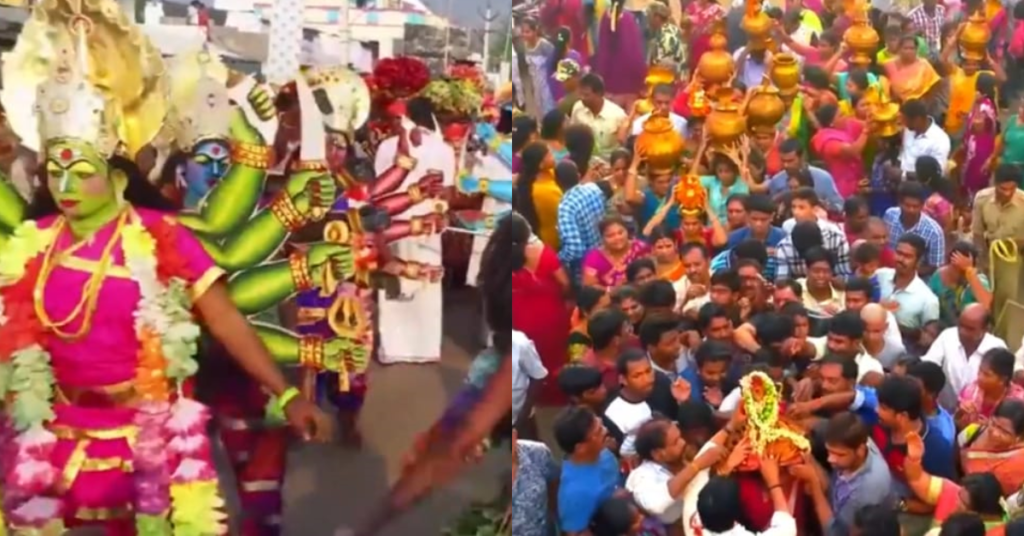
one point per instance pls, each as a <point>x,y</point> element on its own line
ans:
<point>918,304</point>
<point>605,125</point>
<point>934,142</point>
<point>648,484</point>
<point>526,366</point>
<point>692,525</point>
<point>682,286</point>
<point>782,524</point>
<point>678,122</point>
<point>823,224</point>
<point>962,369</point>
<point>629,417</point>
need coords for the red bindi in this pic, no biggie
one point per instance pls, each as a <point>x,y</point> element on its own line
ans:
<point>215,151</point>
<point>66,154</point>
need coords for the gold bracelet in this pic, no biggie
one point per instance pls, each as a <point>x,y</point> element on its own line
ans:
<point>484,186</point>
<point>298,265</point>
<point>284,210</point>
<point>407,163</point>
<point>415,193</point>
<point>254,156</point>
<point>416,225</point>
<point>309,165</point>
<point>311,352</point>
<point>412,270</point>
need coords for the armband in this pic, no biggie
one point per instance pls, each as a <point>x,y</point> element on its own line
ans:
<point>298,266</point>
<point>311,352</point>
<point>283,208</point>
<point>254,156</point>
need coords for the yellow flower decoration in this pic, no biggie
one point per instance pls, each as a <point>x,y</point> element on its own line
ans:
<point>27,242</point>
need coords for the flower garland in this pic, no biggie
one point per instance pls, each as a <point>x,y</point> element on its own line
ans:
<point>764,427</point>
<point>171,428</point>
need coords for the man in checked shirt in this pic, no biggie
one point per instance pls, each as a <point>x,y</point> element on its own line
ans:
<point>579,213</point>
<point>806,235</point>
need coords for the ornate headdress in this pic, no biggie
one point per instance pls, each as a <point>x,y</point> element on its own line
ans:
<point>200,108</point>
<point>769,433</point>
<point>81,70</point>
<point>690,195</point>
<point>342,96</point>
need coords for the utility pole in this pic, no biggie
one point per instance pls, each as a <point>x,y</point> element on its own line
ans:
<point>489,17</point>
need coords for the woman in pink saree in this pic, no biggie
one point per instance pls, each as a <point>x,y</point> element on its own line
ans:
<point>997,446</point>
<point>841,146</point>
<point>606,266</point>
<point>701,14</point>
<point>980,136</point>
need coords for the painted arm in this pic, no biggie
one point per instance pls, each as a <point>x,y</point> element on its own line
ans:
<point>500,189</point>
<point>416,226</point>
<point>392,178</point>
<point>289,348</point>
<point>429,186</point>
<point>12,206</point>
<point>262,287</point>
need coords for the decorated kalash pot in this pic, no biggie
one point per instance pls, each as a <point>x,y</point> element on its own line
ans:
<point>657,75</point>
<point>716,66</point>
<point>785,72</point>
<point>765,109</point>
<point>974,38</point>
<point>769,432</point>
<point>726,123</point>
<point>861,37</point>
<point>757,25</point>
<point>660,143</point>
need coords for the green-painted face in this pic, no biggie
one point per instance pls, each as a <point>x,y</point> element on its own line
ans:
<point>81,181</point>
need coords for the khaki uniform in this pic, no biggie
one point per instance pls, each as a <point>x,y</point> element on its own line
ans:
<point>993,221</point>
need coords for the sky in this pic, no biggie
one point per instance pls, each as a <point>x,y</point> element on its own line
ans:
<point>466,12</point>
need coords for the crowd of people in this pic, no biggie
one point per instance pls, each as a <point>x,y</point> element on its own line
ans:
<point>806,328</point>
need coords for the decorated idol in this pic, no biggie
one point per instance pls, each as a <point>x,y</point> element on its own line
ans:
<point>100,288</point>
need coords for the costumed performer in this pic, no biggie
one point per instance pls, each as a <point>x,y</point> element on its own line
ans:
<point>620,57</point>
<point>99,384</point>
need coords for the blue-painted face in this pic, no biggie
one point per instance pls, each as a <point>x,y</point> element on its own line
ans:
<point>204,168</point>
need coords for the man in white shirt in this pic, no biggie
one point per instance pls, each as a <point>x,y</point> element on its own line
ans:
<point>661,97</point>
<point>921,137</point>
<point>603,116</point>
<point>959,350</point>
<point>527,370</point>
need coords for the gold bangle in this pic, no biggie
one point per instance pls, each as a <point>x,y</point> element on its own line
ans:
<point>407,163</point>
<point>309,165</point>
<point>484,185</point>
<point>254,156</point>
<point>311,352</point>
<point>298,265</point>
<point>416,225</point>
<point>284,210</point>
<point>415,193</point>
<point>412,270</point>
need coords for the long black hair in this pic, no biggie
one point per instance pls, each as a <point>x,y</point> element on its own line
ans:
<point>504,255</point>
<point>579,141</point>
<point>532,158</point>
<point>563,42</point>
<point>523,127</point>
<point>139,192</point>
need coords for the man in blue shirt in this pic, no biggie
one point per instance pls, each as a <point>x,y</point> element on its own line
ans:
<point>839,392</point>
<point>900,412</point>
<point>933,381</point>
<point>760,210</point>
<point>579,213</point>
<point>793,163</point>
<point>707,377</point>
<point>590,472</point>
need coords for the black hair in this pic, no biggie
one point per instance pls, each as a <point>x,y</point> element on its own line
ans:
<point>877,520</point>
<point>619,154</point>
<point>660,233</point>
<point>719,504</point>
<point>791,284</point>
<point>737,198</point>
<point>623,293</point>
<point>1005,173</point>
<point>529,169</point>
<point>1018,11</point>
<point>901,395</point>
<point>566,175</point>
<point>712,352</point>
<point>657,293</point>
<point>846,429</point>
<point>523,127</point>
<point>963,524</point>
<point>588,297</point>
<point>613,518</point>
<point>966,249</point>
<point>139,192</point>
<point>651,437</point>
<point>709,312</point>
<point>860,284</point>
<point>634,268</point>
<point>628,357</point>
<point>1001,361</point>
<point>911,190</point>
<point>859,78</point>
<point>806,193</point>
<point>504,254</point>
<point>847,324</point>
<point>806,235</point>
<point>593,82</point>
<point>791,145</point>
<point>562,42</point>
<point>818,254</point>
<point>686,248</point>
<point>653,328</point>
<point>848,366</point>
<point>907,360</point>
<point>985,492</point>
<point>866,252</point>
<point>572,426</point>
<point>747,263</point>
<point>574,381</point>
<point>752,249</point>
<point>609,221</point>
<point>854,204</point>
<point>987,85</point>
<point>826,114</point>
<point>1012,410</point>
<point>914,109</point>
<point>760,203</point>
<point>916,242</point>
<point>579,142</point>
<point>663,89</point>
<point>816,77</point>
<point>931,376</point>
<point>727,278</point>
<point>721,160</point>
<point>693,415</point>
<point>420,110</point>
<point>774,328</point>
<point>604,327</point>
<point>552,125</point>
<point>794,310</point>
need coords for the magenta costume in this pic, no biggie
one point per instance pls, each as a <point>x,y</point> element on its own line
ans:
<point>979,143</point>
<point>609,274</point>
<point>620,58</point>
<point>95,395</point>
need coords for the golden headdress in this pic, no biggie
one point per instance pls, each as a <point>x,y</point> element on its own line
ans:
<point>342,96</point>
<point>690,195</point>
<point>82,70</point>
<point>200,108</point>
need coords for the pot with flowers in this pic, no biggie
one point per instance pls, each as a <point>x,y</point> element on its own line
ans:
<point>770,433</point>
<point>456,103</point>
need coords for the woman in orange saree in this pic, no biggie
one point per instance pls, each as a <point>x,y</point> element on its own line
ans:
<point>910,77</point>
<point>997,447</point>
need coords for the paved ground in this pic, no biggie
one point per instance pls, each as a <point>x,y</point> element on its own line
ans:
<point>329,485</point>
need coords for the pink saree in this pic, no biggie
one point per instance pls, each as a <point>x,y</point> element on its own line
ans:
<point>846,171</point>
<point>95,375</point>
<point>611,274</point>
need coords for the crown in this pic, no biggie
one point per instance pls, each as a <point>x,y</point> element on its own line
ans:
<point>199,105</point>
<point>690,195</point>
<point>342,97</point>
<point>69,107</point>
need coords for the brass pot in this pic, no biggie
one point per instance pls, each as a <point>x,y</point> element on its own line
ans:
<point>765,107</point>
<point>716,66</point>
<point>785,73</point>
<point>758,27</point>
<point>974,39</point>
<point>863,41</point>
<point>885,120</point>
<point>726,123</point>
<point>660,143</point>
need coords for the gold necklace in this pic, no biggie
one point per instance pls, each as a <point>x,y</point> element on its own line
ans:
<point>90,291</point>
